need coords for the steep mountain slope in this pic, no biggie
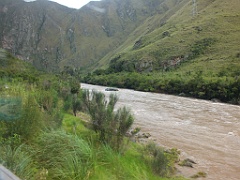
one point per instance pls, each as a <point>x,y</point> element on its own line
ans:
<point>33,31</point>
<point>52,36</point>
<point>107,24</point>
<point>165,40</point>
<point>131,35</point>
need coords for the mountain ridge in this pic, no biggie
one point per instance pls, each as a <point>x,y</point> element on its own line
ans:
<point>134,34</point>
<point>52,36</point>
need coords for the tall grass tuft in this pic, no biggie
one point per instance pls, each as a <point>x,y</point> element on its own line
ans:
<point>18,160</point>
<point>64,156</point>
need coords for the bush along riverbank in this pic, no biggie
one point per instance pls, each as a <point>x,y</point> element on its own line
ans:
<point>190,84</point>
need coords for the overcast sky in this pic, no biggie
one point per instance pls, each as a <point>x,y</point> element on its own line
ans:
<point>71,3</point>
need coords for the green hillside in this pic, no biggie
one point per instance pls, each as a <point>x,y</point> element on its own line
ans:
<point>179,33</point>
<point>180,53</point>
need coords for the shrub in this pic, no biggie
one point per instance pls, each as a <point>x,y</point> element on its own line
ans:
<point>200,46</point>
<point>75,86</point>
<point>111,126</point>
<point>161,161</point>
<point>29,123</point>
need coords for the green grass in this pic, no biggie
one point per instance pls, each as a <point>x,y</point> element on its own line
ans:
<point>79,126</point>
<point>107,164</point>
<point>72,152</point>
<point>65,156</point>
<point>18,159</point>
<point>44,143</point>
<point>130,165</point>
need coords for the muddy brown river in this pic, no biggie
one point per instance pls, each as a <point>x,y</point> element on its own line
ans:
<point>206,132</point>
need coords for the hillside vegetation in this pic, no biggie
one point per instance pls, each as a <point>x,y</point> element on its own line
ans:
<point>179,33</point>
<point>180,52</point>
<point>52,36</point>
<point>40,138</point>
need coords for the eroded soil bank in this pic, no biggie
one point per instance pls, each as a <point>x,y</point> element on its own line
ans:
<point>207,132</point>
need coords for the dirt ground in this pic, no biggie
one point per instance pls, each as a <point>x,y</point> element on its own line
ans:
<point>206,132</point>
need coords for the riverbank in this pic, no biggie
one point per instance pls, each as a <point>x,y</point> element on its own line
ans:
<point>207,132</point>
<point>195,85</point>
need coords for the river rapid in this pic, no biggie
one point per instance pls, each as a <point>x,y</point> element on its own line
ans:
<point>206,132</point>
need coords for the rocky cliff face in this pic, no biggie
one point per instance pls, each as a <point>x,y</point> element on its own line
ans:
<point>33,31</point>
<point>52,36</point>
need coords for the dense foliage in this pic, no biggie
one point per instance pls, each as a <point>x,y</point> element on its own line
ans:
<point>224,85</point>
<point>40,138</point>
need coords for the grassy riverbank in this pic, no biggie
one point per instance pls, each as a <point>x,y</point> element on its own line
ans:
<point>41,139</point>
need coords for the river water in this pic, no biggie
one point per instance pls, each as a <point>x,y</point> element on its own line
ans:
<point>206,132</point>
